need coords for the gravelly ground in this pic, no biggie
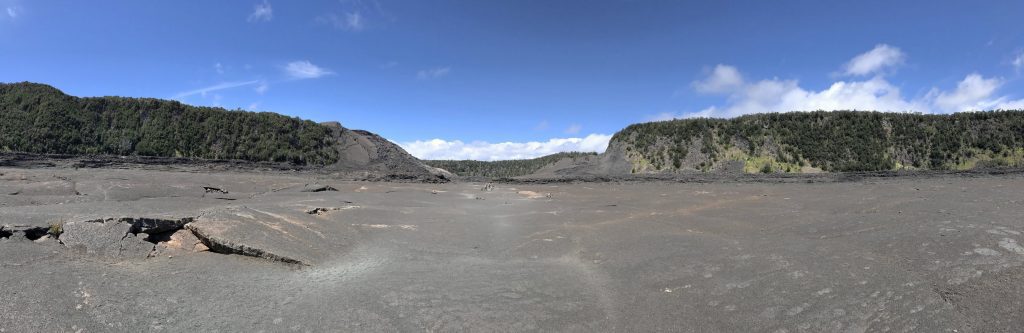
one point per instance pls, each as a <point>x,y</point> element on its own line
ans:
<point>937,254</point>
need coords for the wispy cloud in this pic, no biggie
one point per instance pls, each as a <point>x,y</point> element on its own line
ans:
<point>303,69</point>
<point>438,149</point>
<point>875,61</point>
<point>261,12</point>
<point>573,129</point>
<point>433,73</point>
<point>351,21</point>
<point>354,21</point>
<point>219,68</point>
<point>220,86</point>
<point>12,12</point>
<point>1018,62</point>
<point>262,87</point>
<point>542,125</point>
<point>356,15</point>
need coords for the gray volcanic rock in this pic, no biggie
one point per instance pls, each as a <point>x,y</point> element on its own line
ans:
<point>104,238</point>
<point>363,151</point>
<point>118,237</point>
<point>318,188</point>
<point>155,226</point>
<point>612,162</point>
<point>57,187</point>
<point>906,253</point>
<point>272,232</point>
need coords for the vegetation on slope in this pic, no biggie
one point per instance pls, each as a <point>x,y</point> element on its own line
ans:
<point>37,118</point>
<point>499,169</point>
<point>829,141</point>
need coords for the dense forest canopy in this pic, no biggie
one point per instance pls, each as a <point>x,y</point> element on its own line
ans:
<point>829,141</point>
<point>499,169</point>
<point>38,118</point>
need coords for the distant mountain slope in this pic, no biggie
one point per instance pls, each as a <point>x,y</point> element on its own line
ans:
<point>38,118</point>
<point>506,168</point>
<point>820,141</point>
<point>360,150</point>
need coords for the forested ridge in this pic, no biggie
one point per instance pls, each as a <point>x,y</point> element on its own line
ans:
<point>828,141</point>
<point>38,118</point>
<point>499,169</point>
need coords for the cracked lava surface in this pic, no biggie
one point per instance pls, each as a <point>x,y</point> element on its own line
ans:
<point>146,250</point>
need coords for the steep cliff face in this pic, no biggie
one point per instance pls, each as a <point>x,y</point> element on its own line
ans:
<point>818,142</point>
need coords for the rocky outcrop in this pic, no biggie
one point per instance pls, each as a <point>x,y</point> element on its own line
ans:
<point>280,236</point>
<point>180,242</point>
<point>369,153</point>
<point>272,233</point>
<point>126,237</point>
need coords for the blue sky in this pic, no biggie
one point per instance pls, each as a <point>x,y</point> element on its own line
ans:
<point>516,79</point>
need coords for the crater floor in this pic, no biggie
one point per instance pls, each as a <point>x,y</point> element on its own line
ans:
<point>146,250</point>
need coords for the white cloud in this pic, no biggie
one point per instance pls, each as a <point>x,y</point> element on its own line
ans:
<point>12,12</point>
<point>875,94</point>
<point>262,87</point>
<point>1018,62</point>
<point>457,150</point>
<point>303,69</point>
<point>875,61</point>
<point>573,129</point>
<point>1010,105</point>
<point>253,106</point>
<point>220,86</point>
<point>219,68</point>
<point>261,12</point>
<point>974,92</point>
<point>723,79</point>
<point>433,73</point>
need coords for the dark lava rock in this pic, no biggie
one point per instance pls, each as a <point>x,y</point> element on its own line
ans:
<point>22,232</point>
<point>318,188</point>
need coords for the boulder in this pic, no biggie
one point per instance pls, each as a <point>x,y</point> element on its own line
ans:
<point>181,242</point>
<point>105,238</point>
